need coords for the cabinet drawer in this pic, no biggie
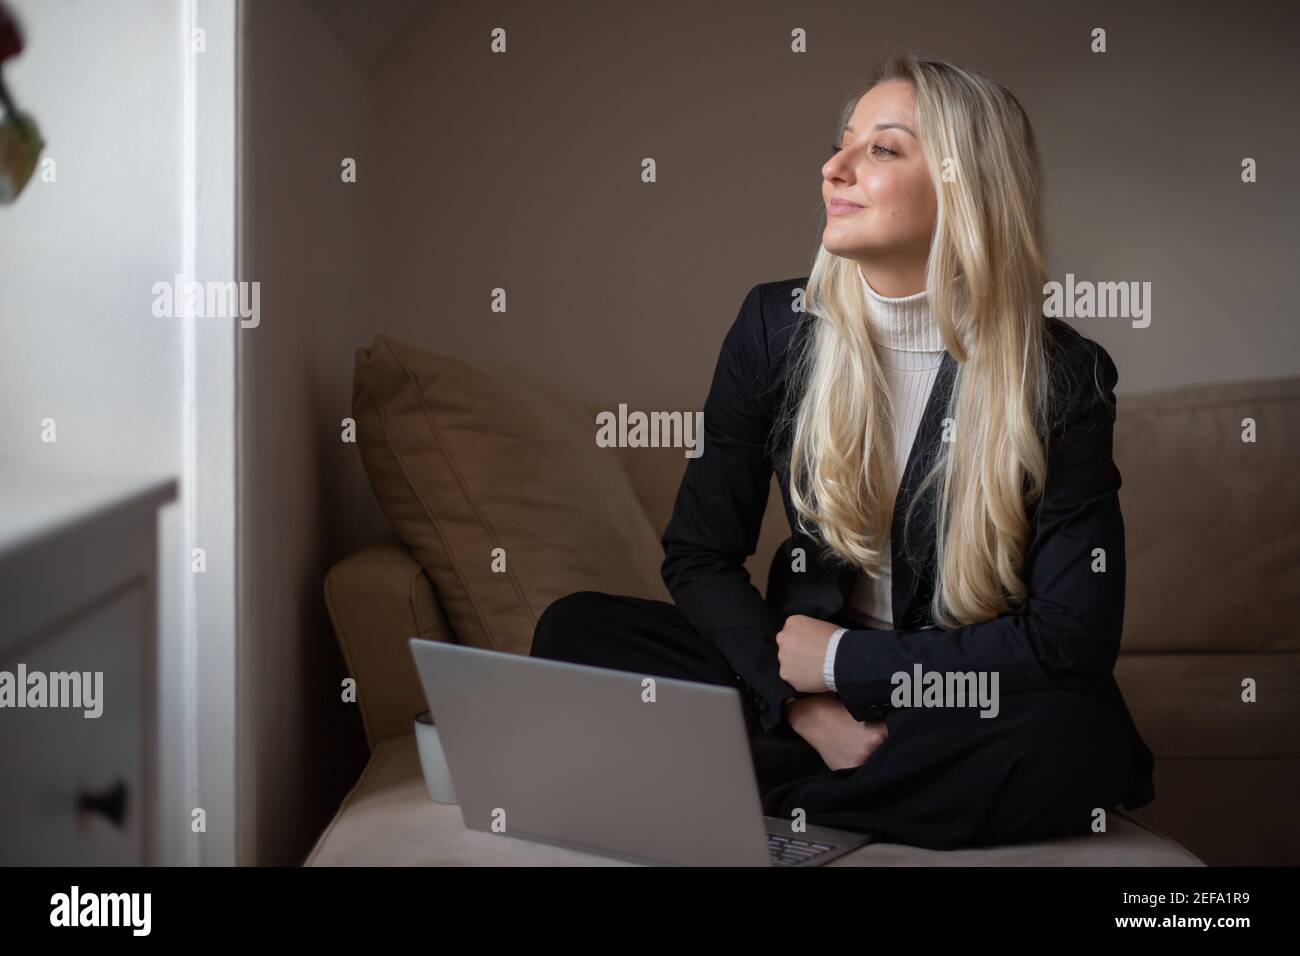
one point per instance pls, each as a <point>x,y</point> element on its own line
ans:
<point>55,763</point>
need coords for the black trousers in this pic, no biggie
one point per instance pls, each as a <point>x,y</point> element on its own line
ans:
<point>944,778</point>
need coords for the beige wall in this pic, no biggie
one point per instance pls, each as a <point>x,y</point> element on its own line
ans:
<point>304,496</point>
<point>522,171</point>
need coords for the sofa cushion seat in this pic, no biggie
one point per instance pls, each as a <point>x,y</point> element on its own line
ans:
<point>389,820</point>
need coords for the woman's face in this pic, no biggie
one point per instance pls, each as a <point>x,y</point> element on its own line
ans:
<point>880,203</point>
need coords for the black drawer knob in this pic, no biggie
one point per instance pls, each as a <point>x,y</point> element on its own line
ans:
<point>110,803</point>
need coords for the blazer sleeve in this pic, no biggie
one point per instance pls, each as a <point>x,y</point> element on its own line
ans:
<point>1067,633</point>
<point>718,513</point>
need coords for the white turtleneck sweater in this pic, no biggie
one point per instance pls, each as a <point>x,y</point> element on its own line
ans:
<point>911,351</point>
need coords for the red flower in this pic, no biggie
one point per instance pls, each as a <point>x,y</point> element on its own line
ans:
<point>11,39</point>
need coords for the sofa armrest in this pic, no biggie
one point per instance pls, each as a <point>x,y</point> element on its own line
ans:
<point>378,599</point>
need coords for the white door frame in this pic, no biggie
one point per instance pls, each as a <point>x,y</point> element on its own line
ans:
<point>209,475</point>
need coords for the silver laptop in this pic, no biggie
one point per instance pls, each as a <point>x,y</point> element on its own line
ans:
<point>597,760</point>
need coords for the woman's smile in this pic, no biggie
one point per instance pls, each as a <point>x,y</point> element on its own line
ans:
<point>841,207</point>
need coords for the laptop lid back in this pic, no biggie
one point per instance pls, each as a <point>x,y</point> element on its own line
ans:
<point>652,769</point>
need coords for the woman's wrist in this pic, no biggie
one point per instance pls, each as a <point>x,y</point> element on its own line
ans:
<point>789,711</point>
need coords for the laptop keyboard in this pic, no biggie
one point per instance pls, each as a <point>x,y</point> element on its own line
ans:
<point>787,851</point>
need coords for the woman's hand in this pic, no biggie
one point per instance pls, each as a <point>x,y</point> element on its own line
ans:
<point>801,651</point>
<point>830,729</point>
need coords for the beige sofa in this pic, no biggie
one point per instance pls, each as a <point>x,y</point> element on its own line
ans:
<point>1213,533</point>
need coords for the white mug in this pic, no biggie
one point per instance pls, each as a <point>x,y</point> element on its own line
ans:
<point>437,778</point>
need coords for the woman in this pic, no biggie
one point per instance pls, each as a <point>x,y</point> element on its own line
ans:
<point>944,456</point>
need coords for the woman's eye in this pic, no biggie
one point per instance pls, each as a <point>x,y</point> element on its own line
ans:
<point>835,148</point>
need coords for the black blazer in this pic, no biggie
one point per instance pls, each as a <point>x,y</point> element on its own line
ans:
<point>1066,635</point>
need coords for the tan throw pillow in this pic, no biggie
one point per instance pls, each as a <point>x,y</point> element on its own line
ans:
<point>465,459</point>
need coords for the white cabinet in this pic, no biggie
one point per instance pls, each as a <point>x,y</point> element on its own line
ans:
<point>78,606</point>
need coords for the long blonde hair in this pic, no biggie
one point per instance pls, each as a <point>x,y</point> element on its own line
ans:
<point>984,280</point>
